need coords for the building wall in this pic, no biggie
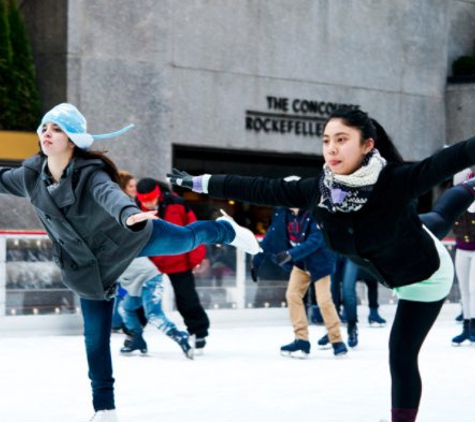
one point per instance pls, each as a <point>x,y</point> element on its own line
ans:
<point>187,72</point>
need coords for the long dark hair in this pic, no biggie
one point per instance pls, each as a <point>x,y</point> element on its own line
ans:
<point>369,128</point>
<point>110,167</point>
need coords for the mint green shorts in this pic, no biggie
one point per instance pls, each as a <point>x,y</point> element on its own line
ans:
<point>438,286</point>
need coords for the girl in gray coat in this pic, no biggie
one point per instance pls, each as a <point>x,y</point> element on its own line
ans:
<point>96,230</point>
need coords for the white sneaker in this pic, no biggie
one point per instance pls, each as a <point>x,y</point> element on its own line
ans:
<point>105,416</point>
<point>244,238</point>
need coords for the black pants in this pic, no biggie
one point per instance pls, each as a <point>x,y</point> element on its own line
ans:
<point>188,303</point>
<point>412,322</point>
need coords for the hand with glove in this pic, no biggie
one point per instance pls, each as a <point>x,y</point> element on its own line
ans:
<point>282,258</point>
<point>197,184</point>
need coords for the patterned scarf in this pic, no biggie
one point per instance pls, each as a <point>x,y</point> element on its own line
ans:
<point>347,193</point>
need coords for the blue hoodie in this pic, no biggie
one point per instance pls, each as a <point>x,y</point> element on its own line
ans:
<point>309,253</point>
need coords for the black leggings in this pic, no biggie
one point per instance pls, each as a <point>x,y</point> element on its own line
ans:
<point>412,322</point>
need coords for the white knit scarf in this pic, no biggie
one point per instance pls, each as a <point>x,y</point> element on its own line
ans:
<point>347,193</point>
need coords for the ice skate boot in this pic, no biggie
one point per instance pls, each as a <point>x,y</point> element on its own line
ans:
<point>200,343</point>
<point>297,349</point>
<point>136,343</point>
<point>104,416</point>
<point>374,319</point>
<point>352,334</point>
<point>464,335</point>
<point>471,330</point>
<point>182,337</point>
<point>244,238</point>
<point>339,349</point>
<point>324,342</point>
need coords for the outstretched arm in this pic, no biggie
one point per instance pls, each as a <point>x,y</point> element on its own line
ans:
<point>11,181</point>
<point>450,205</point>
<point>302,193</point>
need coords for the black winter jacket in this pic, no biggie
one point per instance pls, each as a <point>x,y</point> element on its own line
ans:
<point>386,235</point>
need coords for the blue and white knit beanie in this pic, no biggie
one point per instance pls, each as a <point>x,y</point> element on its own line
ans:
<point>74,124</point>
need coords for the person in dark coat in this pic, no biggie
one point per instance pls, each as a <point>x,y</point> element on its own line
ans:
<point>294,241</point>
<point>155,195</point>
<point>365,203</point>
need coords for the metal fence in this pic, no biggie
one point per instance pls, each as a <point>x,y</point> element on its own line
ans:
<point>30,283</point>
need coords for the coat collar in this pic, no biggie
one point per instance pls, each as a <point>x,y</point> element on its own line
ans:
<point>64,195</point>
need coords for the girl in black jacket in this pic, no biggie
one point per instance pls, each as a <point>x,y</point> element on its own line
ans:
<point>365,203</point>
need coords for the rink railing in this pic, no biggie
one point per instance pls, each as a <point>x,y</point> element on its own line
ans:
<point>30,282</point>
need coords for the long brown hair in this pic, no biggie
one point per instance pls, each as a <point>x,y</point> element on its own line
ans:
<point>110,167</point>
<point>125,178</point>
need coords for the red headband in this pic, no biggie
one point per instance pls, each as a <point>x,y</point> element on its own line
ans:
<point>149,196</point>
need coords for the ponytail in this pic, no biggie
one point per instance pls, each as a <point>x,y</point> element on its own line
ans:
<point>385,145</point>
<point>369,128</point>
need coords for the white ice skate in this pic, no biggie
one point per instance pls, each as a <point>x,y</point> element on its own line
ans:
<point>105,416</point>
<point>244,239</point>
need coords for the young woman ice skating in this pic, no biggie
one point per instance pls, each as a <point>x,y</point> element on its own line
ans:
<point>365,203</point>
<point>96,230</point>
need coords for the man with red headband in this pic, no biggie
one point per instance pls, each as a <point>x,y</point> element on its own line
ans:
<point>155,195</point>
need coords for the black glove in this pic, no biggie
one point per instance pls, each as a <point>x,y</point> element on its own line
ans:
<point>180,178</point>
<point>254,273</point>
<point>282,258</point>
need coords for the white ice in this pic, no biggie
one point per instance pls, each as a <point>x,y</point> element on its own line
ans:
<point>240,377</point>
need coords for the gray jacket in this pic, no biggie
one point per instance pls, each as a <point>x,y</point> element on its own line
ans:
<point>85,218</point>
<point>139,272</point>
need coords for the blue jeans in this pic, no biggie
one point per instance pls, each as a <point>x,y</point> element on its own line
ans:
<point>97,316</point>
<point>170,239</point>
<point>344,287</point>
<point>116,317</point>
<point>166,239</point>
<point>151,300</point>
<point>350,300</point>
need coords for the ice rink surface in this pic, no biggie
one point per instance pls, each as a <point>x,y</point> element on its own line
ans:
<point>240,377</point>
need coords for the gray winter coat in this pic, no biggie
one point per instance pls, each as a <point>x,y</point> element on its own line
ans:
<point>85,218</point>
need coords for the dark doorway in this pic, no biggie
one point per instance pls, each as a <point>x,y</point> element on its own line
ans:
<point>199,160</point>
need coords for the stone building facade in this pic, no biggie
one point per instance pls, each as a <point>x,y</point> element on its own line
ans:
<point>241,85</point>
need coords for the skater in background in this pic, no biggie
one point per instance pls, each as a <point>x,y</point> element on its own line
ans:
<point>343,287</point>
<point>365,204</point>
<point>96,230</point>
<point>143,285</point>
<point>464,231</point>
<point>295,242</point>
<point>157,196</point>
<point>128,184</point>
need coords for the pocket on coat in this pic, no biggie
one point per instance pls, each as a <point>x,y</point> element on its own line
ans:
<point>103,245</point>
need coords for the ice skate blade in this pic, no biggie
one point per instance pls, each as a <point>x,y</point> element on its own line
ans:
<point>295,355</point>
<point>129,354</point>
<point>325,347</point>
<point>190,354</point>
<point>377,325</point>
<point>463,343</point>
<point>341,355</point>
